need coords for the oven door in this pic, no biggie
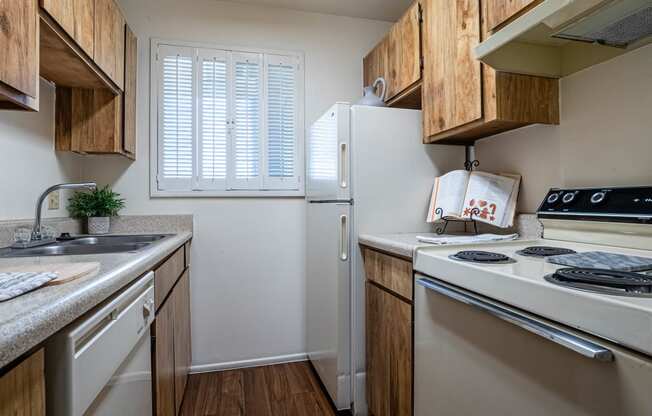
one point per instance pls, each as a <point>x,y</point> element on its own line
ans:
<point>474,356</point>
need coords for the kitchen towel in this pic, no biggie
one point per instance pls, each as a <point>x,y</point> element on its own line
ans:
<point>602,260</point>
<point>467,239</point>
<point>16,283</point>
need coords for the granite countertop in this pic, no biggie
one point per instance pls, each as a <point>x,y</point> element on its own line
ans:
<point>405,244</point>
<point>400,244</point>
<point>30,319</point>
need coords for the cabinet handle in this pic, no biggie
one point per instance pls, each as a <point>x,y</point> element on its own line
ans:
<point>343,160</point>
<point>344,238</point>
<point>565,339</point>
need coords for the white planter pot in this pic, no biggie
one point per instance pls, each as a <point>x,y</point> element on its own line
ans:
<point>99,225</point>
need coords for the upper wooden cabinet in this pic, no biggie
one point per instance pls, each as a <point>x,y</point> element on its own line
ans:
<point>464,100</point>
<point>397,58</point>
<point>501,11</point>
<point>129,106</point>
<point>375,64</point>
<point>19,60</point>
<point>452,87</point>
<point>77,18</point>
<point>404,52</point>
<point>109,50</point>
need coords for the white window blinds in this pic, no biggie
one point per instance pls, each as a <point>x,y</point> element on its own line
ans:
<point>176,118</point>
<point>247,120</point>
<point>228,120</point>
<point>281,121</point>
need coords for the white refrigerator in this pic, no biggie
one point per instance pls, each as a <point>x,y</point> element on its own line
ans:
<point>367,172</point>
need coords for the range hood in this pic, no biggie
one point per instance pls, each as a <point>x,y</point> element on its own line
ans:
<point>559,37</point>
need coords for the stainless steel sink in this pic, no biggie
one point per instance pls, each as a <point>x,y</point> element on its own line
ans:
<point>87,245</point>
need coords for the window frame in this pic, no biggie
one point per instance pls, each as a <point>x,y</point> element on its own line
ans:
<point>154,158</point>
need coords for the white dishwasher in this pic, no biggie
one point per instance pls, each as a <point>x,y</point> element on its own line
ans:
<point>102,364</point>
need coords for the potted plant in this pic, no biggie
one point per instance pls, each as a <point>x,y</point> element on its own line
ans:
<point>97,206</point>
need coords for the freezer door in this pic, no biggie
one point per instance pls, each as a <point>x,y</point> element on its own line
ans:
<point>328,153</point>
<point>328,297</point>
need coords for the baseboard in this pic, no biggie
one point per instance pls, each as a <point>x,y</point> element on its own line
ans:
<point>255,362</point>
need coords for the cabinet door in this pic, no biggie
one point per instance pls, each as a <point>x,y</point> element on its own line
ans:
<point>452,86</point>
<point>500,11</point>
<point>404,52</point>
<point>163,370</point>
<point>389,353</point>
<point>109,50</point>
<point>181,299</point>
<point>375,64</point>
<point>76,17</point>
<point>22,390</point>
<point>18,37</point>
<point>131,72</point>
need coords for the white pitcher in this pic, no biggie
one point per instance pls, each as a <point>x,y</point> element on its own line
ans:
<point>370,98</point>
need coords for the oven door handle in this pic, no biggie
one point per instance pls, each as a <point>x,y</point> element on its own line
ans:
<point>565,339</point>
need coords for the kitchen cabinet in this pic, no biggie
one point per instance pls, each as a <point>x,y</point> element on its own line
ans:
<point>163,361</point>
<point>96,121</point>
<point>22,389</point>
<point>389,329</point>
<point>181,299</point>
<point>500,12</point>
<point>404,52</point>
<point>464,100</point>
<point>129,96</point>
<point>19,61</point>
<point>109,35</point>
<point>171,334</point>
<point>77,18</point>
<point>397,58</point>
<point>375,64</point>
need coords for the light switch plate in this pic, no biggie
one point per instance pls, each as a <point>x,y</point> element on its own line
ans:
<point>53,200</point>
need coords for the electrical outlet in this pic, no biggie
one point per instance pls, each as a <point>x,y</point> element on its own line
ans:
<point>53,200</point>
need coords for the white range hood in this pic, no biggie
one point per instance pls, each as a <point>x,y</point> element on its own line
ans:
<point>559,37</point>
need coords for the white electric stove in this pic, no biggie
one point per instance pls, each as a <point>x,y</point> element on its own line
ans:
<point>558,325</point>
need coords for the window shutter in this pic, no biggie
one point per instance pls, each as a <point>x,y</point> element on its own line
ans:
<point>213,119</point>
<point>247,121</point>
<point>282,122</point>
<point>176,111</point>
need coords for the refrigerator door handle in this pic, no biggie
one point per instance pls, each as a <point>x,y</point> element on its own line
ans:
<point>343,171</point>
<point>344,238</point>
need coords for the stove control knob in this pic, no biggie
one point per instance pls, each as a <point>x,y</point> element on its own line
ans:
<point>553,198</point>
<point>598,197</point>
<point>569,197</point>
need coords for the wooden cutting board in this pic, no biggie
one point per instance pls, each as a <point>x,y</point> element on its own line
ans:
<point>66,271</point>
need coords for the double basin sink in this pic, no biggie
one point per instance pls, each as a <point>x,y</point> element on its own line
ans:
<point>86,245</point>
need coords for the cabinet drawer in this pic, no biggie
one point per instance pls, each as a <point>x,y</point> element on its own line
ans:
<point>167,274</point>
<point>390,272</point>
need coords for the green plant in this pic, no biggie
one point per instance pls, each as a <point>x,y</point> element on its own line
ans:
<point>101,202</point>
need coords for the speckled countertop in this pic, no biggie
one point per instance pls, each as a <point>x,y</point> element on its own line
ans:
<point>405,244</point>
<point>30,319</point>
<point>400,244</point>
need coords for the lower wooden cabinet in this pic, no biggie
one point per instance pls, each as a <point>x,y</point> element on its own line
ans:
<point>171,344</point>
<point>22,389</point>
<point>389,353</point>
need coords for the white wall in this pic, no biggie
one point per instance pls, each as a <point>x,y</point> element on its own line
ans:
<point>248,258</point>
<point>28,161</point>
<point>604,139</point>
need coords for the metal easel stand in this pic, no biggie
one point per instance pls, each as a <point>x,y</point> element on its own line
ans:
<point>470,164</point>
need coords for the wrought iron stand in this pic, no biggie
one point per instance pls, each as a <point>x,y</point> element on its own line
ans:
<point>470,164</point>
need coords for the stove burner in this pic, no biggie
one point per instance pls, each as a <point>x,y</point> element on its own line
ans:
<point>609,282</point>
<point>544,251</point>
<point>476,256</point>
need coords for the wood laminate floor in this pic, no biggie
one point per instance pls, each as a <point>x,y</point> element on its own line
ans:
<point>278,390</point>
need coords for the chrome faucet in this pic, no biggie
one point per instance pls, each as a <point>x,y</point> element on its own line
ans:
<point>37,237</point>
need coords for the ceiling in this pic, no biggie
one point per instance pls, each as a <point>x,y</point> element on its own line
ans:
<point>388,10</point>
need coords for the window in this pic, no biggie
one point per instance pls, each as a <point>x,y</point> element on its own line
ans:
<point>226,122</point>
